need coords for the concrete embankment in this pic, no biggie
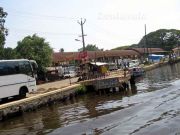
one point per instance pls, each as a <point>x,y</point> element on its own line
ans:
<point>32,103</point>
<point>156,65</point>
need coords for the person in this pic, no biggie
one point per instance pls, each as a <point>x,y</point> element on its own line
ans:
<point>125,69</point>
<point>103,70</point>
<point>95,69</point>
<point>128,64</point>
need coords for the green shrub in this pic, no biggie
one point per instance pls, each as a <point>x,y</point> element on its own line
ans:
<point>81,89</point>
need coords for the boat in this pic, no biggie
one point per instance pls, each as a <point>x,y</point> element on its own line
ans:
<point>137,71</point>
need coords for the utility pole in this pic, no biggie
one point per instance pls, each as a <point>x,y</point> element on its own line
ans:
<point>82,22</point>
<point>146,41</point>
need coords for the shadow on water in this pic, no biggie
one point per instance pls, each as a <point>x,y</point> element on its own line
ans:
<point>88,107</point>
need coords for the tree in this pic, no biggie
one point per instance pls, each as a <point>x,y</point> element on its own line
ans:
<point>34,47</point>
<point>9,53</point>
<point>91,47</point>
<point>61,50</point>
<point>3,31</point>
<point>122,47</point>
<point>162,38</point>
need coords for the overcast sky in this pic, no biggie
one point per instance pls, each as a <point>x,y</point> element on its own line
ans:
<point>109,23</point>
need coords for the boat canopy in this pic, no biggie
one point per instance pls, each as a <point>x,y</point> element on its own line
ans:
<point>99,63</point>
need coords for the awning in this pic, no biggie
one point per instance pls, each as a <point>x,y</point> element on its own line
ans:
<point>99,63</point>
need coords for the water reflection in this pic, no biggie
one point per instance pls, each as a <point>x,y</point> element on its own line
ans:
<point>71,112</point>
<point>159,78</point>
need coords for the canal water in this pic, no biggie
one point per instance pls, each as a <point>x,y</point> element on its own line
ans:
<point>152,109</point>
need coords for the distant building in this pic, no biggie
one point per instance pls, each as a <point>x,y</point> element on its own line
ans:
<point>101,56</point>
<point>177,51</point>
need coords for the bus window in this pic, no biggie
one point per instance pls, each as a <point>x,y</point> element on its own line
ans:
<point>8,68</point>
<point>25,68</point>
<point>28,69</point>
<point>12,68</point>
<point>34,66</point>
<point>3,69</point>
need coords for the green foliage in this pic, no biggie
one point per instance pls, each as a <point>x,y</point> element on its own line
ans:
<point>163,38</point>
<point>91,47</point>
<point>9,53</point>
<point>61,50</point>
<point>3,31</point>
<point>34,47</point>
<point>125,47</point>
<point>122,47</point>
<point>81,89</point>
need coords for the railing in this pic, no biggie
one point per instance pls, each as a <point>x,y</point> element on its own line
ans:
<point>97,75</point>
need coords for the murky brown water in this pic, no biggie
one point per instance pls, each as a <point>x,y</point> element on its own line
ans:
<point>154,109</point>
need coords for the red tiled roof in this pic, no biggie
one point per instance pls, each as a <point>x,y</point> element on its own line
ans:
<point>67,56</point>
<point>150,50</point>
<point>175,49</point>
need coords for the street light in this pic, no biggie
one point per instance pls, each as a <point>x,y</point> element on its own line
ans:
<point>77,40</point>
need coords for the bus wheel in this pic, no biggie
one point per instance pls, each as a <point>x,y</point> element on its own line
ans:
<point>4,100</point>
<point>22,92</point>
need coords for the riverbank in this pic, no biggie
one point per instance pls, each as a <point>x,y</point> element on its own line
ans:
<point>47,94</point>
<point>36,101</point>
<point>51,92</point>
<point>159,64</point>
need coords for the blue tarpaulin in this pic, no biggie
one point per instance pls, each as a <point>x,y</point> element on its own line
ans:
<point>155,57</point>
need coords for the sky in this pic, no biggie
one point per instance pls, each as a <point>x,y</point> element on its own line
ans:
<point>109,23</point>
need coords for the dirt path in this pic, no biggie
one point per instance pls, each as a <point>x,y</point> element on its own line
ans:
<point>43,88</point>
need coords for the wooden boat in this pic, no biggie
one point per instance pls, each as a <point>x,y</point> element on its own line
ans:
<point>137,71</point>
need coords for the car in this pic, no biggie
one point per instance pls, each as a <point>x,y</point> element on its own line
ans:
<point>134,63</point>
<point>69,74</point>
<point>112,66</point>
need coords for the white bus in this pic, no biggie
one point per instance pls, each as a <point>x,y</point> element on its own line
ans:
<point>16,78</point>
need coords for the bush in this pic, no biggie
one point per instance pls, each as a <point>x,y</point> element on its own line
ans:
<point>81,90</point>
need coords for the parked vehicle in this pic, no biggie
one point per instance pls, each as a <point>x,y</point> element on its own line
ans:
<point>112,66</point>
<point>69,74</point>
<point>16,78</point>
<point>134,63</point>
<point>60,71</point>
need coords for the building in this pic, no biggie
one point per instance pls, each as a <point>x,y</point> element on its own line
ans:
<point>102,56</point>
<point>176,51</point>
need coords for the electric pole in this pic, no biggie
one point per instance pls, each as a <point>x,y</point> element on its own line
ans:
<point>146,41</point>
<point>82,22</point>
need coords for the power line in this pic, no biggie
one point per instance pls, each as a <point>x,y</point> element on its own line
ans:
<point>30,14</point>
<point>44,32</point>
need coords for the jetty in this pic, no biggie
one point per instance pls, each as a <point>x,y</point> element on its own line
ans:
<point>116,79</point>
